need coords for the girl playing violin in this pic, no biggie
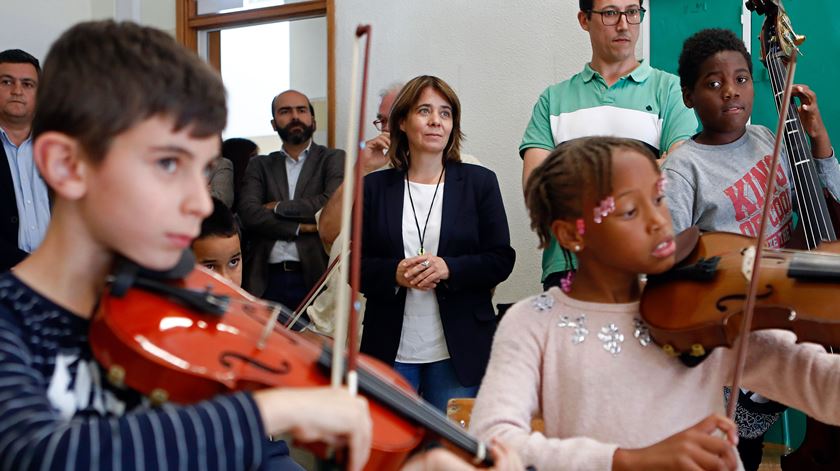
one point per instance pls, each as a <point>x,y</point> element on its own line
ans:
<point>582,357</point>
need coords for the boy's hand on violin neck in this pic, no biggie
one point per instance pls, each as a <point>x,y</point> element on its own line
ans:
<point>697,448</point>
<point>809,114</point>
<point>326,415</point>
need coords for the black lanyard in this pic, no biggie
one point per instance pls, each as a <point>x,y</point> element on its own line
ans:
<point>416,222</point>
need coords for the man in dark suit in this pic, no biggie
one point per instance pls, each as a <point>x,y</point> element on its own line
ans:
<point>281,192</point>
<point>24,200</point>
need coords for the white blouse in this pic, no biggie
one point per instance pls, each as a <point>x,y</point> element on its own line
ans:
<point>421,340</point>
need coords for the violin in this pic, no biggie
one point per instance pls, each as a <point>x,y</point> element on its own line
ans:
<point>796,290</point>
<point>188,339</point>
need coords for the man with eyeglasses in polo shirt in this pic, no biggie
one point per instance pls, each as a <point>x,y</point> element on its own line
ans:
<point>615,94</point>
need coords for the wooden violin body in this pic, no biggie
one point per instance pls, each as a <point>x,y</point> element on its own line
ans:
<point>172,352</point>
<point>699,304</point>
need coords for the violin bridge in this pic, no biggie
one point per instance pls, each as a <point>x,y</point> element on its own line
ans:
<point>747,262</point>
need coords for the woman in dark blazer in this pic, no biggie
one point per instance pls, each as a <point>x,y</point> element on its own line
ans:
<point>435,244</point>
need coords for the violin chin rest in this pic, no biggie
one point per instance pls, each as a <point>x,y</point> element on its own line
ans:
<point>686,241</point>
<point>182,268</point>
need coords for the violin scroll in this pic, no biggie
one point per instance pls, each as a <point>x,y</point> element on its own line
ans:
<point>777,29</point>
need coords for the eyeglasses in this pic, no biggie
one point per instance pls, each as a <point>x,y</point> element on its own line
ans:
<point>612,17</point>
<point>381,124</point>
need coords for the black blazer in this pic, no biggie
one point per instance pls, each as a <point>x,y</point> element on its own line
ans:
<point>474,242</point>
<point>10,254</point>
<point>264,181</point>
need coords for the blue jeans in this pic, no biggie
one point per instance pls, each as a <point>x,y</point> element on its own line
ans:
<point>435,382</point>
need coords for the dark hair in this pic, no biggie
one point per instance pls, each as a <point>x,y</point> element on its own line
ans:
<point>274,100</point>
<point>220,223</point>
<point>586,5</point>
<point>239,151</point>
<point>403,104</point>
<point>704,44</point>
<point>17,56</point>
<point>554,188</point>
<point>102,77</point>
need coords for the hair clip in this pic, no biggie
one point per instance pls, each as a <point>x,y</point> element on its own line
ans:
<point>604,209</point>
<point>566,281</point>
<point>581,227</point>
<point>661,184</point>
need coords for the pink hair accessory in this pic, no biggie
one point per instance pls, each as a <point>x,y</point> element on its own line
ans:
<point>604,209</point>
<point>661,184</point>
<point>581,227</point>
<point>566,281</point>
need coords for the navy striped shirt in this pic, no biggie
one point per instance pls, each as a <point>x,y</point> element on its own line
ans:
<point>58,413</point>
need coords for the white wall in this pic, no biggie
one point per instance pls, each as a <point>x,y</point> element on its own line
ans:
<point>498,55</point>
<point>32,25</point>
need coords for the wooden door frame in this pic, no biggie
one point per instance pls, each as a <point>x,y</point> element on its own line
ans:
<point>188,23</point>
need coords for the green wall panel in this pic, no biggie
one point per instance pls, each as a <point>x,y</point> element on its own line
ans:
<point>672,21</point>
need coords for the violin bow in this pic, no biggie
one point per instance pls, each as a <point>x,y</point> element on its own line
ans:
<point>752,272</point>
<point>349,301</point>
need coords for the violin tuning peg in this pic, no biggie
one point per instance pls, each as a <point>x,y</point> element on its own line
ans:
<point>116,376</point>
<point>669,350</point>
<point>158,397</point>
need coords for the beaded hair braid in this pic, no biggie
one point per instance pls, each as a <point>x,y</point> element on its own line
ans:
<point>555,189</point>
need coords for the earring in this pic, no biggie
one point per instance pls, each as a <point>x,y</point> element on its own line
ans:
<point>576,248</point>
<point>566,281</point>
<point>661,184</point>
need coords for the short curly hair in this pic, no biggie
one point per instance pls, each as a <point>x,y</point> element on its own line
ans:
<point>704,44</point>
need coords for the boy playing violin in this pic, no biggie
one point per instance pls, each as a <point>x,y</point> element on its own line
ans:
<point>718,178</point>
<point>125,133</point>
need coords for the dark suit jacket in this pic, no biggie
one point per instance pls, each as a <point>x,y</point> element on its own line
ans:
<point>474,242</point>
<point>10,254</point>
<point>264,181</point>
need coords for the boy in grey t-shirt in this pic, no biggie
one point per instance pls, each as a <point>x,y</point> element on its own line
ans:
<point>717,179</point>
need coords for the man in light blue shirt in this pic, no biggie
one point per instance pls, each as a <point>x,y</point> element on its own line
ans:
<point>24,200</point>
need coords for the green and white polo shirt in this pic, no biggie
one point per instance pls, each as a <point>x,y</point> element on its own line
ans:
<point>646,105</point>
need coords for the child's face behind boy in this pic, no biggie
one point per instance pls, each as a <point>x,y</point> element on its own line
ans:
<point>722,98</point>
<point>220,254</point>
<point>147,197</point>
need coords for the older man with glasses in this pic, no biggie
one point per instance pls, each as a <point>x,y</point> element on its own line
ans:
<point>615,94</point>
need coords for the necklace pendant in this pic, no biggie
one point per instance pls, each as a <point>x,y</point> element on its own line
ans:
<point>421,251</point>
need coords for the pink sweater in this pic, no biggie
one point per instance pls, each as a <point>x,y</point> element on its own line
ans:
<point>594,401</point>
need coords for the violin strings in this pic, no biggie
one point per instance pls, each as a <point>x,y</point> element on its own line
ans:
<point>814,218</point>
<point>773,64</point>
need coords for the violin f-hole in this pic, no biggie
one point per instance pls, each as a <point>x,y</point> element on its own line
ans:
<point>720,304</point>
<point>282,369</point>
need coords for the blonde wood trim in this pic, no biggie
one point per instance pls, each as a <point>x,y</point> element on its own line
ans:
<point>214,49</point>
<point>292,11</point>
<point>185,35</point>
<point>188,23</point>
<point>331,74</point>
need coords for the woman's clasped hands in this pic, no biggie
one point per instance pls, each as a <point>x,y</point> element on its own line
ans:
<point>422,272</point>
